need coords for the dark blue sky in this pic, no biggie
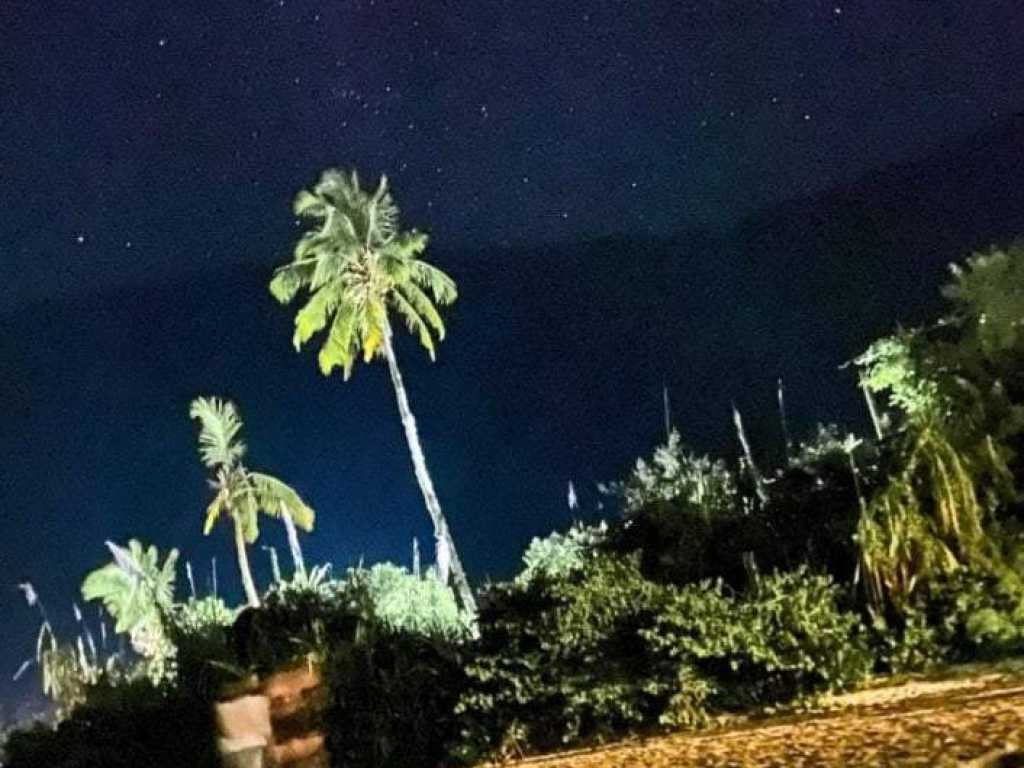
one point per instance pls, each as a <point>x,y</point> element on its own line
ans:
<point>149,152</point>
<point>170,135</point>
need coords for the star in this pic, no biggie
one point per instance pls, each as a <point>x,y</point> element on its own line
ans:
<point>162,42</point>
<point>80,239</point>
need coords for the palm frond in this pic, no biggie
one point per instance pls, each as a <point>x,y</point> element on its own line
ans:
<point>414,321</point>
<point>309,205</point>
<point>219,506</point>
<point>339,349</point>
<point>245,508</point>
<point>135,586</point>
<point>407,245</point>
<point>220,424</point>
<point>274,495</point>
<point>331,266</point>
<point>373,327</point>
<point>433,279</point>
<point>423,305</point>
<point>315,314</point>
<point>384,214</point>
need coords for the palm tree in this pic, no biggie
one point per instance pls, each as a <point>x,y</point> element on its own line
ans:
<point>240,493</point>
<point>358,267</point>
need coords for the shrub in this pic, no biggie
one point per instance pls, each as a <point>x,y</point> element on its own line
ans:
<point>969,614</point>
<point>784,639</point>
<point>559,660</point>
<point>204,659</point>
<point>392,700</point>
<point>121,726</point>
<point>675,474</point>
<point>607,651</point>
<point>386,640</point>
<point>559,555</point>
<point>689,521</point>
<point>407,602</point>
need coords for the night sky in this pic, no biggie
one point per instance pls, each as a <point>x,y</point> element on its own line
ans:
<point>585,169</point>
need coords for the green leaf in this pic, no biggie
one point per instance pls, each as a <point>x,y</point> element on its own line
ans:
<point>275,495</point>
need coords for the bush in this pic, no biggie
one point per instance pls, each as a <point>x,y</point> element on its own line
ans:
<point>392,700</point>
<point>966,615</point>
<point>559,660</point>
<point>784,639</point>
<point>689,520</point>
<point>607,651</point>
<point>121,726</point>
<point>203,660</point>
<point>559,555</point>
<point>387,642</point>
<point>300,622</point>
<point>407,602</point>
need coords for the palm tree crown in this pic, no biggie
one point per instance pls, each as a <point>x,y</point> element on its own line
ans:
<point>240,493</point>
<point>356,265</point>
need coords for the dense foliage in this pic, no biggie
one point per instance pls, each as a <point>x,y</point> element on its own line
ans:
<point>606,651</point>
<point>393,697</point>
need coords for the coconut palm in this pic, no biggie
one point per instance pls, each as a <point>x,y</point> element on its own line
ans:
<point>240,493</point>
<point>358,269</point>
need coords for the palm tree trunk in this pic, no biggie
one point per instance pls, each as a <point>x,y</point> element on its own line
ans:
<point>755,474</point>
<point>442,535</point>
<point>293,542</point>
<point>876,422</point>
<point>252,596</point>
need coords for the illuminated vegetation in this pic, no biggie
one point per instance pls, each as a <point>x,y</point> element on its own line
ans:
<point>716,589</point>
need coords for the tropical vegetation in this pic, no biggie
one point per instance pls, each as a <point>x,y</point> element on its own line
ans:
<point>717,586</point>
